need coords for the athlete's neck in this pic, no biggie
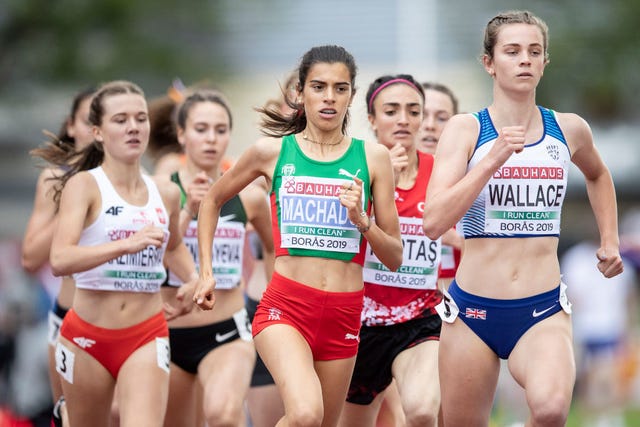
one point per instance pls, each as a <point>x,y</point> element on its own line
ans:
<point>513,109</point>
<point>406,178</point>
<point>191,170</point>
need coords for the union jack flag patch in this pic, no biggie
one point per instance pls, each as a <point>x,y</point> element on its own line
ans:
<point>475,313</point>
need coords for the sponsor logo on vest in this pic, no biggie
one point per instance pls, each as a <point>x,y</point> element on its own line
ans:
<point>161,216</point>
<point>345,172</point>
<point>114,210</point>
<point>142,218</point>
<point>529,172</point>
<point>288,169</point>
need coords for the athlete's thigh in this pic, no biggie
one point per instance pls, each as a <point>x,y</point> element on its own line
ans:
<point>354,415</point>
<point>288,358</point>
<point>86,385</point>
<point>54,378</point>
<point>335,376</point>
<point>391,413</point>
<point>416,373</point>
<point>543,361</point>
<point>143,385</point>
<point>225,373</point>
<point>265,405</point>
<point>183,402</point>
<point>468,376</point>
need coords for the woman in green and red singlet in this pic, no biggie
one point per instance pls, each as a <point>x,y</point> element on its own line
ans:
<point>324,186</point>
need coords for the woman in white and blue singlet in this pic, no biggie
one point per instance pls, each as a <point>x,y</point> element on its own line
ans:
<point>504,170</point>
<point>116,229</point>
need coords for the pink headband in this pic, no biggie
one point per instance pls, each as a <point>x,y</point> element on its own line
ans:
<point>385,84</point>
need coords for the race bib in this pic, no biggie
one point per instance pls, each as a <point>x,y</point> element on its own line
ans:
<point>447,309</point>
<point>65,360</point>
<point>311,216</point>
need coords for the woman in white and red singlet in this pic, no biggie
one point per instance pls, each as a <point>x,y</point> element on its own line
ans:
<point>116,229</point>
<point>400,327</point>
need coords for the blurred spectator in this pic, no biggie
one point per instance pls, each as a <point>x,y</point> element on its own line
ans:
<point>603,324</point>
<point>630,237</point>
<point>24,383</point>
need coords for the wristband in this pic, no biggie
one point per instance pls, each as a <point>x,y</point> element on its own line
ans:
<point>364,228</point>
<point>188,212</point>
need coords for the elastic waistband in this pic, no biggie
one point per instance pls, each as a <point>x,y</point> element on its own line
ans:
<point>59,310</point>
<point>454,289</point>
<point>230,321</point>
<point>297,290</point>
<point>252,305</point>
<point>134,330</point>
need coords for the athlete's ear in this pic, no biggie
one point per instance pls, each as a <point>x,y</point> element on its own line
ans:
<point>180,136</point>
<point>97,134</point>
<point>487,63</point>
<point>71,129</point>
<point>372,122</point>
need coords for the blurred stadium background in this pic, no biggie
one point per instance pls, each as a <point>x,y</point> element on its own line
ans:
<point>246,48</point>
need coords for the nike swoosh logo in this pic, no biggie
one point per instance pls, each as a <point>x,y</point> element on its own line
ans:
<point>223,337</point>
<point>226,218</point>
<point>540,313</point>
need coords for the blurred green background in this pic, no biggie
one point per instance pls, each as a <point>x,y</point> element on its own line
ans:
<point>51,49</point>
